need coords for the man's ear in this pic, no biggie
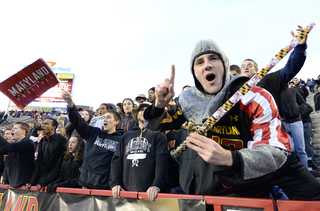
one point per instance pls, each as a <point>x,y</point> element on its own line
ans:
<point>25,133</point>
<point>117,123</point>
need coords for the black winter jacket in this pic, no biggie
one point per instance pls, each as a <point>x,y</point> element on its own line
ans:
<point>291,101</point>
<point>69,175</point>
<point>48,163</point>
<point>19,164</point>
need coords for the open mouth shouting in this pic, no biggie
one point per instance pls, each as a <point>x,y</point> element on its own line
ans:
<point>210,77</point>
<point>209,71</point>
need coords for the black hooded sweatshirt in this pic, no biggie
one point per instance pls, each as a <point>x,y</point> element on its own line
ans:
<point>100,145</point>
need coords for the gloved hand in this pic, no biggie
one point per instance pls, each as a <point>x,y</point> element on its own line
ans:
<point>51,188</point>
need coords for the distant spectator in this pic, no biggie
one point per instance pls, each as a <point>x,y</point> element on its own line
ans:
<point>316,99</point>
<point>5,117</point>
<point>62,131</point>
<point>235,70</point>
<point>97,121</point>
<point>32,125</point>
<point>70,131</point>
<point>119,107</point>
<point>140,163</point>
<point>291,84</point>
<point>36,132</point>
<point>317,81</point>
<point>301,88</point>
<point>72,161</point>
<point>291,107</point>
<point>127,121</point>
<point>20,161</point>
<point>96,113</point>
<point>151,94</point>
<point>50,154</point>
<point>186,87</point>
<point>62,120</point>
<point>307,129</point>
<point>310,84</point>
<point>141,98</point>
<point>8,135</point>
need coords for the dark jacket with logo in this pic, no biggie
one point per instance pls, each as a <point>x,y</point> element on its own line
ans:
<point>139,164</point>
<point>100,145</point>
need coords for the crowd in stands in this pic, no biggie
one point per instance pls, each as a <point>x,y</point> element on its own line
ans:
<point>263,143</point>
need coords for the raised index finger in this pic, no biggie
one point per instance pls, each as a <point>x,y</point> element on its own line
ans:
<point>172,74</point>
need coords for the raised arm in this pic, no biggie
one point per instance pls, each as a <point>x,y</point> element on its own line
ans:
<point>78,123</point>
<point>295,61</point>
<point>68,98</point>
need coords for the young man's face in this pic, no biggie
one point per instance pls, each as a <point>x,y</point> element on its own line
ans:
<point>48,128</point>
<point>151,95</point>
<point>209,71</point>
<point>118,109</point>
<point>141,100</point>
<point>140,113</point>
<point>248,69</point>
<point>40,121</point>
<point>291,85</point>
<point>7,135</point>
<point>102,109</point>
<point>31,125</point>
<point>295,81</point>
<point>233,72</point>
<point>109,123</point>
<point>18,133</point>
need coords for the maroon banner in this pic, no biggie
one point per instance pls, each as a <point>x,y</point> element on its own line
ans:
<point>29,83</point>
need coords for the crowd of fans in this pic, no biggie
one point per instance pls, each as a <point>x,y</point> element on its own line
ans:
<point>126,147</point>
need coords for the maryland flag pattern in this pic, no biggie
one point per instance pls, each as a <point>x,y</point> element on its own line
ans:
<point>262,72</point>
<point>282,53</point>
<point>227,105</point>
<point>302,34</point>
<point>244,89</point>
<point>211,121</point>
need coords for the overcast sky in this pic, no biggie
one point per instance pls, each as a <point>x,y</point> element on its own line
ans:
<point>119,49</point>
